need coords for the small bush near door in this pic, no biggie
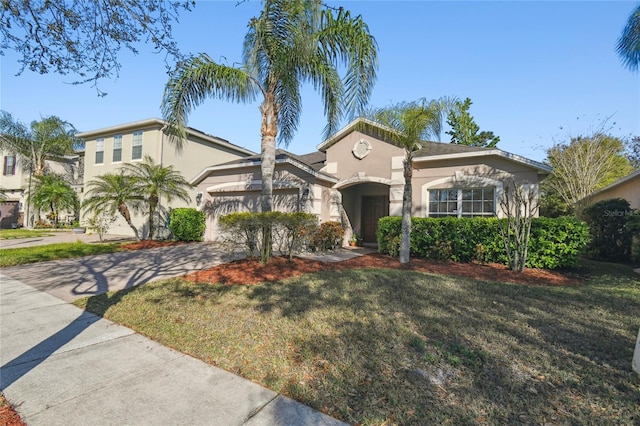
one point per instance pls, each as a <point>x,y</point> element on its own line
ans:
<point>187,224</point>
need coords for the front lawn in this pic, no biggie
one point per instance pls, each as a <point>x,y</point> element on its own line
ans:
<point>23,255</point>
<point>382,345</point>
<point>8,234</point>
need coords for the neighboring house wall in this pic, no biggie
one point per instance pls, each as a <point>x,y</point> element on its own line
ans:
<point>14,183</point>
<point>198,151</point>
<point>628,188</point>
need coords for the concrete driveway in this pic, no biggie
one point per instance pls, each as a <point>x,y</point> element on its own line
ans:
<point>71,279</point>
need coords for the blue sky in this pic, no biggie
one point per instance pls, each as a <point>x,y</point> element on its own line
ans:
<point>537,72</point>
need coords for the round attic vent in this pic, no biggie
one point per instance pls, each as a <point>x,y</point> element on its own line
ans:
<point>361,149</point>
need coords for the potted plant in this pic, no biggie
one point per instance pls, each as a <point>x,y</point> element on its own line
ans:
<point>77,229</point>
<point>353,242</point>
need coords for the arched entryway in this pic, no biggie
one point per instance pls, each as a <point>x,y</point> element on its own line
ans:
<point>364,203</point>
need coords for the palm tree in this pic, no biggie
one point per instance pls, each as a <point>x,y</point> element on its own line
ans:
<point>153,181</point>
<point>49,138</point>
<point>53,192</point>
<point>628,45</point>
<point>113,192</point>
<point>407,125</point>
<point>290,43</point>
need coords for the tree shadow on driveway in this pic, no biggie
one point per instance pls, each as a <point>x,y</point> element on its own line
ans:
<point>72,279</point>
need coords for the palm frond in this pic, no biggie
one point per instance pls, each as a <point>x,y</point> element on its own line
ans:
<point>197,79</point>
<point>628,46</point>
<point>348,41</point>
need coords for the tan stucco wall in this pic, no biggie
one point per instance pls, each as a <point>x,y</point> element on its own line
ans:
<point>376,164</point>
<point>629,190</point>
<point>227,191</point>
<point>464,173</point>
<point>13,182</point>
<point>384,161</point>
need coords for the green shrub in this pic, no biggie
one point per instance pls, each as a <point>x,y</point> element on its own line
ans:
<point>554,243</point>
<point>611,239</point>
<point>187,224</point>
<point>328,236</point>
<point>292,231</point>
<point>241,229</point>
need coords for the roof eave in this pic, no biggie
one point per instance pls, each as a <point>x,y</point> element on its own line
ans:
<point>204,173</point>
<point>542,168</point>
<point>616,183</point>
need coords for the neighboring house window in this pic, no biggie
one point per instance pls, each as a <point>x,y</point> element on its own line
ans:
<point>462,202</point>
<point>9,165</point>
<point>100,151</point>
<point>136,152</point>
<point>117,148</point>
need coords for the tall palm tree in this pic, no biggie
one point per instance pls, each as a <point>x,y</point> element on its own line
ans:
<point>53,192</point>
<point>290,43</point>
<point>153,181</point>
<point>407,125</point>
<point>628,45</point>
<point>113,192</point>
<point>49,138</point>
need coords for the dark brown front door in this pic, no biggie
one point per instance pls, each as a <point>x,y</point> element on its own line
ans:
<point>373,208</point>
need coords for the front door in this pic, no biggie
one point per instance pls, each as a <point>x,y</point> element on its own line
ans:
<point>373,208</point>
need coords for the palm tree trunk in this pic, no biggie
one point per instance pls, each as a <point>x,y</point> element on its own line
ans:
<point>405,242</point>
<point>153,204</point>
<point>124,211</point>
<point>269,130</point>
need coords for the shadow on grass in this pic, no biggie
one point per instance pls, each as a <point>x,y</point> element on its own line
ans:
<point>410,346</point>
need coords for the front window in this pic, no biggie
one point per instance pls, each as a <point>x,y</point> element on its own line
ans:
<point>100,151</point>
<point>470,202</point>
<point>117,148</point>
<point>9,165</point>
<point>136,153</point>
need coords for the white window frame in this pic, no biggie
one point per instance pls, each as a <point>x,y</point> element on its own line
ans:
<point>459,202</point>
<point>136,144</point>
<point>460,180</point>
<point>99,151</point>
<point>117,149</point>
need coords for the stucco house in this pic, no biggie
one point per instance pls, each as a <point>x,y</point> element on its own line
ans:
<point>17,179</point>
<point>107,149</point>
<point>627,187</point>
<point>356,178</point>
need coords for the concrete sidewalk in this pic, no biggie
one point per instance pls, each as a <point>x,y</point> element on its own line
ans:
<point>61,365</point>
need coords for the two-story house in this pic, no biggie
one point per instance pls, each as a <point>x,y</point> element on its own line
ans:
<point>107,149</point>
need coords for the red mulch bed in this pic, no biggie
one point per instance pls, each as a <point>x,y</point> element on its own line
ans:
<point>251,271</point>
<point>147,244</point>
<point>9,416</point>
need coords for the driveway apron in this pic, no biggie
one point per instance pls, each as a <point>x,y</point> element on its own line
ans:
<point>71,279</point>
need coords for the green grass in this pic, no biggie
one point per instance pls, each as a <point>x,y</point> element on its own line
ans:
<point>372,345</point>
<point>23,255</point>
<point>7,234</point>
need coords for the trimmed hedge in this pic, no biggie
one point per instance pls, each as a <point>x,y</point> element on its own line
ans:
<point>187,224</point>
<point>555,242</point>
